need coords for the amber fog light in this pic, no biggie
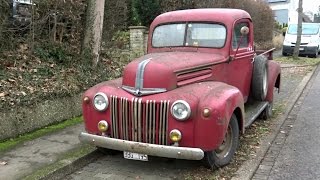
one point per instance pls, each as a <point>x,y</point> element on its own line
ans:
<point>175,135</point>
<point>86,99</point>
<point>206,112</point>
<point>103,126</point>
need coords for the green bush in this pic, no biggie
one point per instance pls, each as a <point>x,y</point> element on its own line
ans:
<point>53,52</point>
<point>121,39</point>
<point>143,12</point>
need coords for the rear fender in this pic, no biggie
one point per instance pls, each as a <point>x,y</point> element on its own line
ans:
<point>274,71</point>
<point>222,101</point>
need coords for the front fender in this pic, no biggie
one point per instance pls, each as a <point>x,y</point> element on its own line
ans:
<point>274,72</point>
<point>222,100</point>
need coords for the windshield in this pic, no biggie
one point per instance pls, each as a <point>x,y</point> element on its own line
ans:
<point>307,29</point>
<point>189,34</point>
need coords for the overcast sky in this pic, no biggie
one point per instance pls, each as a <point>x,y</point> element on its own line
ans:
<point>311,5</point>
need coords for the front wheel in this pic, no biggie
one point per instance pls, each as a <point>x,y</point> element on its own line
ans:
<point>284,54</point>
<point>224,153</point>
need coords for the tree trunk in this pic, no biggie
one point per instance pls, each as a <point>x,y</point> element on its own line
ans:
<point>299,31</point>
<point>93,29</point>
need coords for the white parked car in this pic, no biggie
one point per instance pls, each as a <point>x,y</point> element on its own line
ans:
<point>310,39</point>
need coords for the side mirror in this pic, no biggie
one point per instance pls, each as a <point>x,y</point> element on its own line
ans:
<point>244,30</point>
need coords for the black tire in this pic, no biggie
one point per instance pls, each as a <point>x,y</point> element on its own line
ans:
<point>259,83</point>
<point>315,55</point>
<point>224,153</point>
<point>267,112</point>
<point>106,151</point>
<point>284,54</point>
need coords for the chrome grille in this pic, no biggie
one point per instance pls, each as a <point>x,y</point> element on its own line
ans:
<point>139,121</point>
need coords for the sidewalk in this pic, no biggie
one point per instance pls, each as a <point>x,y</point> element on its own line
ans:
<point>295,152</point>
<point>33,155</point>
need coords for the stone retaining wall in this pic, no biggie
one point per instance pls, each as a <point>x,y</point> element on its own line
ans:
<point>26,119</point>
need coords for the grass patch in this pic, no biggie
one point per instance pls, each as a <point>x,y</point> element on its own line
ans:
<point>300,61</point>
<point>8,144</point>
<point>278,109</point>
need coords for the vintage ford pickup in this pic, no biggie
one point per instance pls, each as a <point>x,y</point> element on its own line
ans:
<point>191,96</point>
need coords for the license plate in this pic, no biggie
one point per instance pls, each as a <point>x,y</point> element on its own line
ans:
<point>301,49</point>
<point>135,156</point>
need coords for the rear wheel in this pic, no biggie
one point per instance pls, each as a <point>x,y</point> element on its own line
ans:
<point>315,55</point>
<point>267,112</point>
<point>259,84</point>
<point>225,152</point>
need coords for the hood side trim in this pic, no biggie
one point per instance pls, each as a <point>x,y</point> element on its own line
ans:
<point>140,73</point>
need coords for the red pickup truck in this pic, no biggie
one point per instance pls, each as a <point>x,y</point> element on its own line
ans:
<point>191,96</point>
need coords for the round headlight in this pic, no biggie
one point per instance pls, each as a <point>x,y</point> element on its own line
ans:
<point>180,110</point>
<point>100,101</point>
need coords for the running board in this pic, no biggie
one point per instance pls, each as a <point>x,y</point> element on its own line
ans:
<point>253,110</point>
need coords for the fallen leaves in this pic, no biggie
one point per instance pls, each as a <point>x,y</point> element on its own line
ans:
<point>23,93</point>
<point>3,163</point>
<point>11,80</point>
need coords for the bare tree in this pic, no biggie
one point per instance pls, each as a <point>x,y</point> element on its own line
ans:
<point>299,31</point>
<point>93,29</point>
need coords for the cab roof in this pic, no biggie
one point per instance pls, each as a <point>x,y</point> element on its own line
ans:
<point>224,15</point>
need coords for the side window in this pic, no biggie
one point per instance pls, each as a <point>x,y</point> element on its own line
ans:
<point>237,36</point>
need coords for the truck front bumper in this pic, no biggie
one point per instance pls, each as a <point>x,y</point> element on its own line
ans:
<point>143,148</point>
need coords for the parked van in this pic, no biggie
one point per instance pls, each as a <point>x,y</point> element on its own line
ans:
<point>310,39</point>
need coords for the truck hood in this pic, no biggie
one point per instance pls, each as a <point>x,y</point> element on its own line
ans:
<point>161,72</point>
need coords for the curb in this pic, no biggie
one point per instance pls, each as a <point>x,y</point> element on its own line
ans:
<point>248,168</point>
<point>71,167</point>
<point>58,170</point>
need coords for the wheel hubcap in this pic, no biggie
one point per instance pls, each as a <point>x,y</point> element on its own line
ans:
<point>265,79</point>
<point>225,147</point>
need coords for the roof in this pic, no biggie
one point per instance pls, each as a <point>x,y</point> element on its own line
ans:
<point>210,14</point>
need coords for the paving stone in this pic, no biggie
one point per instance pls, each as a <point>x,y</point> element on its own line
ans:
<point>265,167</point>
<point>267,163</point>
<point>268,159</point>
<point>260,177</point>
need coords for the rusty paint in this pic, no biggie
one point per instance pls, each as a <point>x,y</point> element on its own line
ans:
<point>204,77</point>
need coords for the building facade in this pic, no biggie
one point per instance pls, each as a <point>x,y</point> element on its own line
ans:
<point>285,11</point>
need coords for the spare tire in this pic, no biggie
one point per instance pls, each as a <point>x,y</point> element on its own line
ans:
<point>259,83</point>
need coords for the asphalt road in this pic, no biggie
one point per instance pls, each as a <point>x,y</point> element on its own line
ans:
<point>295,154</point>
<point>300,155</point>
